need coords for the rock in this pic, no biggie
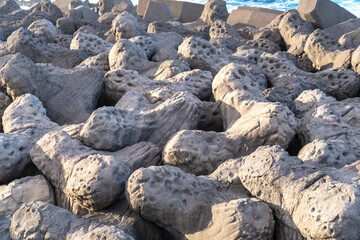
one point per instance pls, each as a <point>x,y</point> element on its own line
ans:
<point>9,7</point>
<point>123,6</point>
<point>39,51</point>
<point>14,157</point>
<point>325,52</point>
<point>282,73</point>
<point>294,31</point>
<point>167,69</point>
<point>169,26</point>
<point>318,189</point>
<point>38,218</point>
<point>77,15</point>
<point>214,10</point>
<point>67,25</point>
<point>5,101</point>
<point>210,118</point>
<point>323,13</point>
<point>200,152</point>
<point>355,60</point>
<point>63,5</point>
<point>88,180</point>
<point>342,28</point>
<point>107,5</point>
<point>20,191</point>
<point>146,43</point>
<point>158,11</point>
<point>185,11</point>
<point>350,39</point>
<point>127,26</point>
<point>106,19</point>
<point>89,43</point>
<point>258,17</point>
<point>99,62</point>
<point>69,97</point>
<point>281,95</point>
<point>88,14</point>
<point>153,192</point>
<point>130,127</point>
<point>44,29</point>
<point>166,53</point>
<point>123,217</point>
<point>52,10</point>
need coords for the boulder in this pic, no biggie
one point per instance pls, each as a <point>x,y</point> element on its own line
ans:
<point>342,28</point>
<point>90,44</point>
<point>38,218</point>
<point>44,29</point>
<point>67,25</point>
<point>323,13</point>
<point>125,25</point>
<point>158,11</point>
<point>214,10</point>
<point>258,17</point>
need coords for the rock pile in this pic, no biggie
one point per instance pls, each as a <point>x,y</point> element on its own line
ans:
<point>148,123</point>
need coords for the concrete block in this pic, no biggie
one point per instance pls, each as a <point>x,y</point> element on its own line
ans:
<point>63,5</point>
<point>340,29</point>
<point>323,13</point>
<point>258,17</point>
<point>158,11</point>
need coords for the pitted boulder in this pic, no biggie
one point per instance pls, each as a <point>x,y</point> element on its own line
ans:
<point>111,129</point>
<point>38,218</point>
<point>166,53</point>
<point>340,83</point>
<point>88,180</point>
<point>89,43</point>
<point>350,39</point>
<point>52,10</point>
<point>119,82</point>
<point>355,60</point>
<point>123,6</point>
<point>294,31</point>
<point>127,26</point>
<point>322,209</point>
<point>146,43</point>
<point>325,52</point>
<point>169,26</point>
<point>220,29</point>
<point>9,7</point>
<point>261,44</point>
<point>69,97</point>
<point>44,29</point>
<point>88,14</point>
<point>29,44</point>
<point>153,192</point>
<point>201,152</point>
<point>167,69</point>
<point>214,10</point>
<point>67,25</point>
<point>99,62</point>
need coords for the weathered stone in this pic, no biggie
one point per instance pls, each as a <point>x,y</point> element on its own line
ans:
<point>170,26</point>
<point>214,10</point>
<point>9,7</point>
<point>323,13</point>
<point>342,28</point>
<point>99,62</point>
<point>29,44</point>
<point>20,191</point>
<point>67,25</point>
<point>322,209</point>
<point>68,97</point>
<point>123,6</point>
<point>154,191</point>
<point>130,127</point>
<point>37,218</point>
<point>166,53</point>
<point>355,60</point>
<point>52,10</point>
<point>86,180</point>
<point>63,5</point>
<point>146,43</point>
<point>88,14</point>
<point>44,29</point>
<point>107,5</point>
<point>258,17</point>
<point>350,39</point>
<point>325,52</point>
<point>126,25</point>
<point>294,31</point>
<point>158,11</point>
<point>120,215</point>
<point>89,43</point>
<point>200,152</point>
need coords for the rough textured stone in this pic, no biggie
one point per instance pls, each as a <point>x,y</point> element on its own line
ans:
<point>68,97</point>
<point>200,152</point>
<point>86,180</point>
<point>355,60</point>
<point>20,191</point>
<point>323,13</point>
<point>350,39</point>
<point>29,44</point>
<point>294,31</point>
<point>9,7</point>
<point>89,43</point>
<point>214,10</point>
<point>146,43</point>
<point>52,10</point>
<point>130,127</point>
<point>67,25</point>
<point>321,210</point>
<point>88,14</point>
<point>44,29</point>
<point>99,62</point>
<point>325,52</point>
<point>123,6</point>
<point>37,219</point>
<point>126,25</point>
<point>200,201</point>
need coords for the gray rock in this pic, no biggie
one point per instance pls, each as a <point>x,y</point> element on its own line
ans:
<point>166,53</point>
<point>29,44</point>
<point>123,6</point>
<point>44,29</point>
<point>214,10</point>
<point>88,14</point>
<point>355,60</point>
<point>90,44</point>
<point>350,39</point>
<point>64,40</point>
<point>146,43</point>
<point>9,7</point>
<point>37,219</point>
<point>125,25</point>
<point>20,191</point>
<point>157,193</point>
<point>69,97</point>
<point>111,128</point>
<point>158,11</point>
<point>200,152</point>
<point>52,10</point>
<point>67,25</point>
<point>86,180</point>
<point>99,62</point>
